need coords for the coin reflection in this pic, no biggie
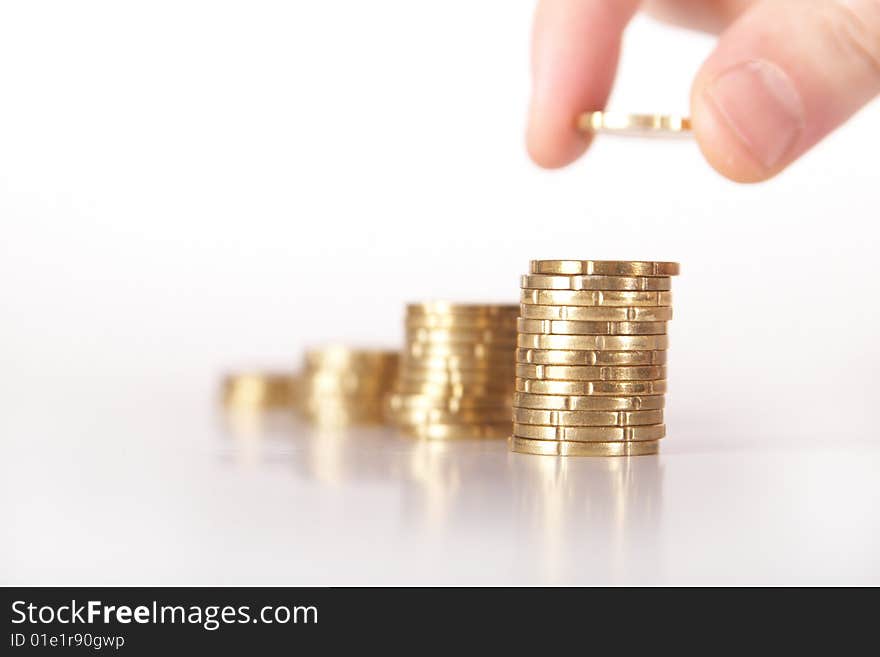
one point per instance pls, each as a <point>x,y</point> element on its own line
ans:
<point>256,433</point>
<point>609,507</point>
<point>459,484</point>
<point>341,456</point>
<point>567,519</point>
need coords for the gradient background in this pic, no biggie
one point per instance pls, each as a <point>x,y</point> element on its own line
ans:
<point>188,187</point>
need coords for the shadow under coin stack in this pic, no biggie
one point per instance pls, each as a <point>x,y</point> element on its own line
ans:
<point>456,371</point>
<point>341,386</point>
<point>591,358</point>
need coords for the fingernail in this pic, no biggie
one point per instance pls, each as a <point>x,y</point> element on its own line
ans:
<point>761,106</point>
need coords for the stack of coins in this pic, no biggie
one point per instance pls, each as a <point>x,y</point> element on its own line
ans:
<point>341,386</point>
<point>456,371</point>
<point>260,390</point>
<point>591,357</point>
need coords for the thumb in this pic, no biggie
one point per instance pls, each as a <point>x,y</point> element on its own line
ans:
<point>783,76</point>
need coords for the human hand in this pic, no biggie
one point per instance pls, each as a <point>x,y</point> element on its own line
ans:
<point>784,74</point>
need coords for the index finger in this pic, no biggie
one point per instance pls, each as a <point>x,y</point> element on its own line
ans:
<point>575,49</point>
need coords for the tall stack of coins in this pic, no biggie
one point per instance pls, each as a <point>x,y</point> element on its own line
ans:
<point>591,357</point>
<point>341,386</point>
<point>456,371</point>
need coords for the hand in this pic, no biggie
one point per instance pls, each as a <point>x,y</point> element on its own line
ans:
<point>784,74</point>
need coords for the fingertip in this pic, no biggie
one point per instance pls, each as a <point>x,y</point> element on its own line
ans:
<point>552,148</point>
<point>722,149</point>
<point>748,116</point>
<point>768,93</point>
<point>574,58</point>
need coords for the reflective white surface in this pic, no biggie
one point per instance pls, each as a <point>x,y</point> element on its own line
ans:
<point>270,177</point>
<point>173,492</point>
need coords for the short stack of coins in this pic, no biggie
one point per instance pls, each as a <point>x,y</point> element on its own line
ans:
<point>456,371</point>
<point>342,386</point>
<point>591,357</point>
<point>260,390</point>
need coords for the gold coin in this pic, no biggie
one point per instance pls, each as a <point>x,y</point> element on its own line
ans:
<point>633,283</point>
<point>564,448</point>
<point>443,336</point>
<point>590,373</point>
<point>459,309</point>
<point>611,388</point>
<point>588,434</point>
<point>371,412</point>
<point>327,383</point>
<point>345,416</point>
<point>463,311</point>
<point>351,373</point>
<point>488,351</point>
<point>344,397</point>
<point>339,357</point>
<point>594,298</point>
<point>415,417</point>
<point>400,401</point>
<point>604,267</point>
<point>344,385</point>
<point>580,403</point>
<point>456,363</point>
<point>562,357</point>
<point>593,342</point>
<point>354,376</point>
<point>254,390</point>
<point>314,399</point>
<point>586,418</point>
<point>366,373</point>
<point>372,403</point>
<point>597,313</point>
<point>485,377</point>
<point>565,327</point>
<point>497,389</point>
<point>635,125</point>
<point>507,323</point>
<point>467,368</point>
<point>363,376</point>
<point>458,431</point>
<point>327,390</point>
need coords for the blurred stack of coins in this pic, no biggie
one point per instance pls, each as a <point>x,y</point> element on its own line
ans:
<point>253,391</point>
<point>456,371</point>
<point>591,357</point>
<point>341,386</point>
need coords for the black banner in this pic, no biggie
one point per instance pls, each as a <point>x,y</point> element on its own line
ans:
<point>153,621</point>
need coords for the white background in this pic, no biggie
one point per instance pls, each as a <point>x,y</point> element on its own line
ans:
<point>188,187</point>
